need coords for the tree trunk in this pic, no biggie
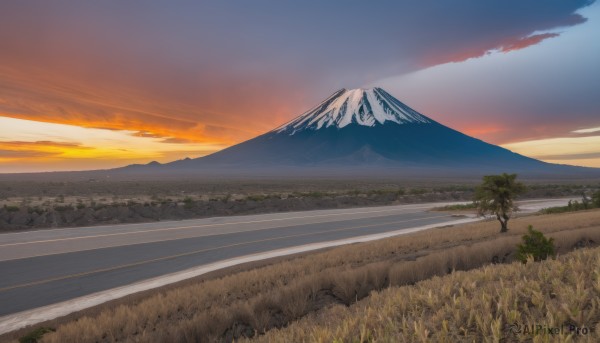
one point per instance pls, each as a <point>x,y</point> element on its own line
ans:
<point>503,223</point>
<point>503,226</point>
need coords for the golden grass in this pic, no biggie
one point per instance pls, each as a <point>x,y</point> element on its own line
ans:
<point>262,299</point>
<point>474,306</point>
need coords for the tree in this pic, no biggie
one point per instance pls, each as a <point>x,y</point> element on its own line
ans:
<point>596,199</point>
<point>496,195</point>
<point>585,201</point>
<point>536,245</point>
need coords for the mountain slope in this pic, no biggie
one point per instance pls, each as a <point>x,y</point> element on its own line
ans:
<point>363,127</point>
<point>367,107</point>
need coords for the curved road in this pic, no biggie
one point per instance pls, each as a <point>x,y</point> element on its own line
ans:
<point>45,267</point>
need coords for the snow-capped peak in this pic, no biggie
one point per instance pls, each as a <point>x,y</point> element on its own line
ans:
<point>367,107</point>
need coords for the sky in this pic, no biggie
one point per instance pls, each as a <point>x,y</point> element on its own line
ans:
<point>94,85</point>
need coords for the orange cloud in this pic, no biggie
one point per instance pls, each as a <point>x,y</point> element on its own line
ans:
<point>479,131</point>
<point>522,43</point>
<point>476,51</point>
<point>17,150</point>
<point>100,149</point>
<point>55,100</point>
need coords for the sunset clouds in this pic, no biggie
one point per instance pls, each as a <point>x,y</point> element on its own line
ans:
<point>193,77</point>
<point>71,147</point>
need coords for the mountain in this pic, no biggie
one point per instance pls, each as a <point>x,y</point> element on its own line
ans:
<point>363,131</point>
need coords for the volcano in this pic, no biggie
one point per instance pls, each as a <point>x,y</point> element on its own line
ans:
<point>366,130</point>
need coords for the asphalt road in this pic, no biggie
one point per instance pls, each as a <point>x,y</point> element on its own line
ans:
<point>44,267</point>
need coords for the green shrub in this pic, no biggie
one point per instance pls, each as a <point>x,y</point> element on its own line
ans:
<point>35,335</point>
<point>418,191</point>
<point>11,208</point>
<point>38,210</point>
<point>557,209</point>
<point>575,205</point>
<point>457,207</point>
<point>536,245</point>
<point>63,208</point>
<point>315,194</point>
<point>596,199</point>
<point>256,197</point>
<point>188,202</point>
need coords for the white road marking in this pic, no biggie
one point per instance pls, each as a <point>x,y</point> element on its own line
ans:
<point>187,253</point>
<point>201,226</point>
<point>30,317</point>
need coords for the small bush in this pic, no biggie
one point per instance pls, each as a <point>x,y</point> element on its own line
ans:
<point>596,199</point>
<point>35,335</point>
<point>188,203</point>
<point>536,245</point>
<point>457,207</point>
<point>556,210</point>
<point>315,194</point>
<point>11,208</point>
<point>256,197</point>
<point>63,208</point>
<point>418,191</point>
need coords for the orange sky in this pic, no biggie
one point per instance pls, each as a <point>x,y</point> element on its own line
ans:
<point>109,84</point>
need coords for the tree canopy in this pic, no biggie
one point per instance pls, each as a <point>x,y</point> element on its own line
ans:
<point>496,196</point>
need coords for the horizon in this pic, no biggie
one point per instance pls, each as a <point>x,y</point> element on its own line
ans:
<point>99,86</point>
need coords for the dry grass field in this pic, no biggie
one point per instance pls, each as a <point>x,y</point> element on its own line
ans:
<point>549,301</point>
<point>258,301</point>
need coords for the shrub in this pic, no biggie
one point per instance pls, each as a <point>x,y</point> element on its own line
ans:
<point>596,199</point>
<point>457,207</point>
<point>188,202</point>
<point>315,194</point>
<point>418,191</point>
<point>256,197</point>
<point>63,208</point>
<point>536,245</point>
<point>575,205</point>
<point>11,208</point>
<point>35,335</point>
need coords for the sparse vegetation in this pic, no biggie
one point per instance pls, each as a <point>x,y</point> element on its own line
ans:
<point>496,195</point>
<point>457,207</point>
<point>85,204</point>
<point>574,205</point>
<point>11,208</point>
<point>269,298</point>
<point>82,203</point>
<point>35,335</point>
<point>596,199</point>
